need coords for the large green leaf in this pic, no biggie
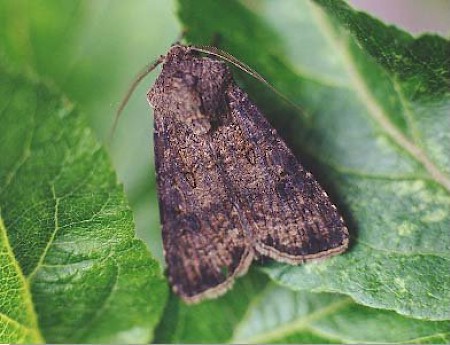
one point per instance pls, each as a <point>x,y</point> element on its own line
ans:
<point>375,130</point>
<point>280,315</point>
<point>256,311</point>
<point>92,50</point>
<point>69,228</point>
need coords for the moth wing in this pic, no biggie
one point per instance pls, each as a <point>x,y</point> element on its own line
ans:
<point>205,245</point>
<point>290,216</point>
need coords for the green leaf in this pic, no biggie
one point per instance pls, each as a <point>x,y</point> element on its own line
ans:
<point>84,45</point>
<point>69,228</point>
<point>280,315</point>
<point>18,322</point>
<point>374,131</point>
<point>212,321</point>
<point>256,311</point>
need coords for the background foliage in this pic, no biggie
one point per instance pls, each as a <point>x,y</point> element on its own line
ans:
<point>374,129</point>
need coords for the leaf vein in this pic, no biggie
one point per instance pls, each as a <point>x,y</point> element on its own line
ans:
<point>374,109</point>
<point>299,324</point>
<point>52,237</point>
<point>433,337</point>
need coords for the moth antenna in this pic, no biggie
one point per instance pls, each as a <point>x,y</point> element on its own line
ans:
<point>139,77</point>
<point>244,67</point>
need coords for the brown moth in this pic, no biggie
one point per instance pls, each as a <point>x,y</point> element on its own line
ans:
<point>229,187</point>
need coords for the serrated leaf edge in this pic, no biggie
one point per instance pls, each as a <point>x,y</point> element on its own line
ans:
<point>374,109</point>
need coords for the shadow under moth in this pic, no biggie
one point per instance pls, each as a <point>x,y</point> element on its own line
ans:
<point>229,188</point>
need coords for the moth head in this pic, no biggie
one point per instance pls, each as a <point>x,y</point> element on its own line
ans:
<point>191,89</point>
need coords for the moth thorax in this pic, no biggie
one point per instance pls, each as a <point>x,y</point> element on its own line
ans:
<point>186,105</point>
<point>197,102</point>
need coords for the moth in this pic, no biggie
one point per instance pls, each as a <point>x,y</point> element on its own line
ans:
<point>229,188</point>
